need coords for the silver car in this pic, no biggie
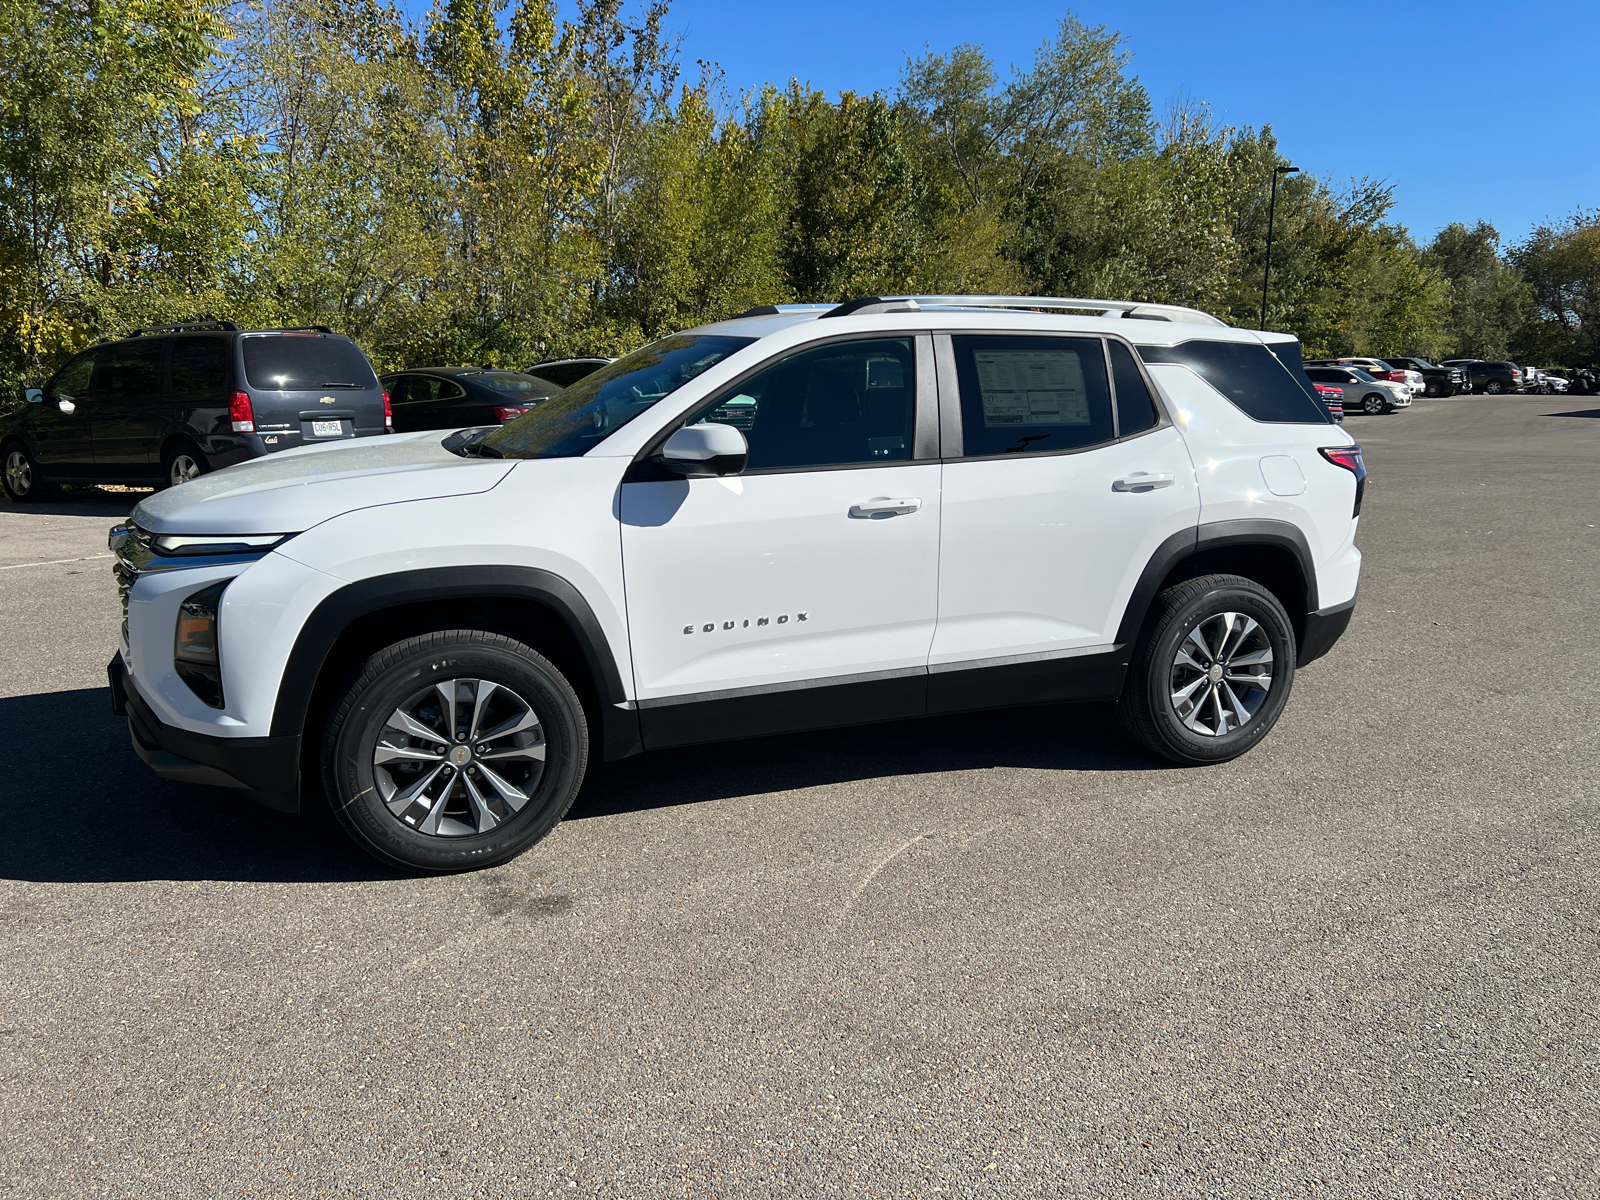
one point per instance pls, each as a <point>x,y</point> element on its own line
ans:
<point>1362,393</point>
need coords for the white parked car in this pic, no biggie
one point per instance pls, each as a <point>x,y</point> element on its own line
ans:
<point>796,518</point>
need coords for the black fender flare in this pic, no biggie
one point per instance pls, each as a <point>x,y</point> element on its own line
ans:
<point>338,611</point>
<point>1215,535</point>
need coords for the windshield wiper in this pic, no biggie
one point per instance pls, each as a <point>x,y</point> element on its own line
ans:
<point>336,384</point>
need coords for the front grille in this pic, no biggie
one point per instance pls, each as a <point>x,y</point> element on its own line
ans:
<point>133,554</point>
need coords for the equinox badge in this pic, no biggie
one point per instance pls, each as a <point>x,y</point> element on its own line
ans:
<point>711,626</point>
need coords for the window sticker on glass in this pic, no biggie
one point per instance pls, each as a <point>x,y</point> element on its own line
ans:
<point>1025,387</point>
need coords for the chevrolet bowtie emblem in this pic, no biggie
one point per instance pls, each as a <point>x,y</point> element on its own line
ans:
<point>326,400</point>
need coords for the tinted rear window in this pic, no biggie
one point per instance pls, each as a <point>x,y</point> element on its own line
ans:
<point>1262,385</point>
<point>512,383</point>
<point>199,364</point>
<point>287,362</point>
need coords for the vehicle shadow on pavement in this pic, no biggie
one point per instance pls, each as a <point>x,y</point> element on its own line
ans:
<point>90,502</point>
<point>1582,412</point>
<point>1057,737</point>
<point>80,807</point>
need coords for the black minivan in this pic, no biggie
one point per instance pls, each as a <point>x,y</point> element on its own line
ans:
<point>172,402</point>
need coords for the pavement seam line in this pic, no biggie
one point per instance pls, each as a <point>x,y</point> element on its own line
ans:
<point>55,561</point>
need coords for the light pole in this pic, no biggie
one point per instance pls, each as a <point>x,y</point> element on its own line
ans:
<point>1272,211</point>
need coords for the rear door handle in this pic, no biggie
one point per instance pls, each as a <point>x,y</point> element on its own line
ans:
<point>883,506</point>
<point>1141,481</point>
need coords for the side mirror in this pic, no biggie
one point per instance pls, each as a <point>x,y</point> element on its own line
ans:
<point>66,405</point>
<point>34,395</point>
<point>705,450</point>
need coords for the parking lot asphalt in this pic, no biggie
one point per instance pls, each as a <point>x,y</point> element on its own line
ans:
<point>1006,954</point>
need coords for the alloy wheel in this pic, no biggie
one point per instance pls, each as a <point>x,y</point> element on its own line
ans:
<point>1221,674</point>
<point>459,757</point>
<point>19,473</point>
<point>184,468</point>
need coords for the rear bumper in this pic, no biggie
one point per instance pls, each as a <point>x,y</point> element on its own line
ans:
<point>1323,628</point>
<point>266,769</point>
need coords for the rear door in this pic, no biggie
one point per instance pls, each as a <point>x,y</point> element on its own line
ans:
<point>1061,478</point>
<point>320,384</point>
<point>126,417</point>
<point>802,592</point>
<point>63,444</point>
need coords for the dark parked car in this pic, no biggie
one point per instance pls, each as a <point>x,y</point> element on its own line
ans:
<point>1493,376</point>
<point>1436,380</point>
<point>458,397</point>
<point>564,372</point>
<point>175,401</point>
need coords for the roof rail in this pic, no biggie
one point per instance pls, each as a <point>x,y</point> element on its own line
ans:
<point>294,329</point>
<point>1134,309</point>
<point>776,310</point>
<point>180,326</point>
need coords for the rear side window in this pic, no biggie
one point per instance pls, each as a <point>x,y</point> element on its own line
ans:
<point>199,364</point>
<point>286,363</point>
<point>1136,411</point>
<point>129,369</point>
<point>1031,395</point>
<point>1259,383</point>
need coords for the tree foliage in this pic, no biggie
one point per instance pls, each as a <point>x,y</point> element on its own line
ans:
<point>498,184</point>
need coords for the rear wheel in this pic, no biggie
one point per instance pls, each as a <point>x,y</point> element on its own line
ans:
<point>1494,387</point>
<point>1212,670</point>
<point>453,751</point>
<point>20,475</point>
<point>182,463</point>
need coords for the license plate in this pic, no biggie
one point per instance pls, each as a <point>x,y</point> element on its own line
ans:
<point>327,428</point>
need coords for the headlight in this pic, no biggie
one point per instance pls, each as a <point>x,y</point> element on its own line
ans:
<point>180,546</point>
<point>194,648</point>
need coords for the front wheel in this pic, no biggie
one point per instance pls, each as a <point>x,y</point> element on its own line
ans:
<point>453,751</point>
<point>20,476</point>
<point>1374,404</point>
<point>1211,672</point>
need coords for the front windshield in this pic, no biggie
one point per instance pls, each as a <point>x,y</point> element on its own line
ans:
<point>573,421</point>
<point>1362,375</point>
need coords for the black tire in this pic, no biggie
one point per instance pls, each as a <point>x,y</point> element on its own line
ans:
<point>1431,389</point>
<point>1146,705</point>
<point>181,458</point>
<point>19,474</point>
<point>1374,404</point>
<point>408,668</point>
<point>1494,387</point>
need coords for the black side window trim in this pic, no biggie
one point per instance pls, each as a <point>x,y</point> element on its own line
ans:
<point>951,435</point>
<point>924,448</point>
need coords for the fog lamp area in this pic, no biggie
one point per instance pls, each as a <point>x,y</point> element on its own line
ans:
<point>195,653</point>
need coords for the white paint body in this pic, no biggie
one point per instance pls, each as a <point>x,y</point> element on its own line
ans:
<point>997,558</point>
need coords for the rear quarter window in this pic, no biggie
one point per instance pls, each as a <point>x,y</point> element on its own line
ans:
<point>1261,384</point>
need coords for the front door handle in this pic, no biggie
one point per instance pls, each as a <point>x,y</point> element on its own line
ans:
<point>883,506</point>
<point>1142,481</point>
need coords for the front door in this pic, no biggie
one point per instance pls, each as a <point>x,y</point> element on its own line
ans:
<point>1064,482</point>
<point>802,592</point>
<point>127,410</point>
<point>63,445</point>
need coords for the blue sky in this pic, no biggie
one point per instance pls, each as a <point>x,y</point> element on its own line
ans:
<point>1472,109</point>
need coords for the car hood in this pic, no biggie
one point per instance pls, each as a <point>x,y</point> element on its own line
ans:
<point>293,490</point>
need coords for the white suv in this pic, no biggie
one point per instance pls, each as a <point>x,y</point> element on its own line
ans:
<point>801,517</point>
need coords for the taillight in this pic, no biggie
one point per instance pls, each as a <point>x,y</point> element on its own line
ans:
<point>509,411</point>
<point>1349,457</point>
<point>388,412</point>
<point>241,414</point>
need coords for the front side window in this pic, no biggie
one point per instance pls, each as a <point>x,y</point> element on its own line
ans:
<point>1031,395</point>
<point>73,379</point>
<point>1258,382</point>
<point>291,362</point>
<point>575,420</point>
<point>846,404</point>
<point>199,364</point>
<point>1136,409</point>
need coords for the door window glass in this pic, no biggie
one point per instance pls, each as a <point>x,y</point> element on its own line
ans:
<point>199,364</point>
<point>412,389</point>
<point>73,379</point>
<point>1032,395</point>
<point>129,369</point>
<point>840,405</point>
<point>1136,410</point>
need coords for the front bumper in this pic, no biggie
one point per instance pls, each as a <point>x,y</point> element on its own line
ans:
<point>266,769</point>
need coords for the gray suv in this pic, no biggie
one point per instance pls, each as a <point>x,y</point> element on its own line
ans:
<point>169,403</point>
